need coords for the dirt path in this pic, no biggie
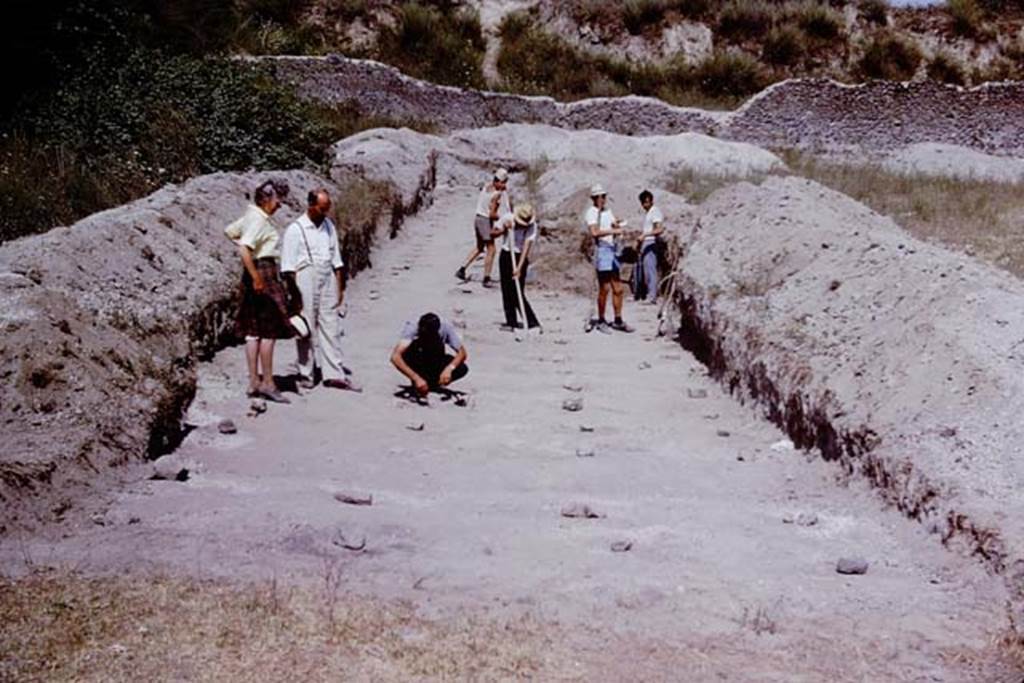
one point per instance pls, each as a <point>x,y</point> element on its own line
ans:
<point>465,513</point>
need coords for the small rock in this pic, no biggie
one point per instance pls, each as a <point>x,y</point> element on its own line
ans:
<point>373,296</point>
<point>697,393</point>
<point>466,290</point>
<point>711,416</point>
<point>948,432</point>
<point>644,365</point>
<point>801,519</point>
<point>351,498</point>
<point>257,406</point>
<point>622,546</point>
<point>458,311</point>
<point>852,565</point>
<point>584,452</point>
<point>349,544</point>
<point>416,426</point>
<point>587,428</point>
<point>561,342</point>
<point>573,387</point>
<point>723,433</point>
<point>580,511</point>
<point>226,426</point>
<point>671,356</point>
<point>573,405</point>
<point>169,469</point>
<point>741,458</point>
<point>782,446</point>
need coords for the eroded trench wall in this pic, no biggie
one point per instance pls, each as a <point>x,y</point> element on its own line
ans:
<point>900,361</point>
<point>104,323</point>
<point>817,114</point>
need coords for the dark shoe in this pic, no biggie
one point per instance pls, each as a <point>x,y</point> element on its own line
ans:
<point>603,327</point>
<point>305,383</point>
<point>275,396</point>
<point>488,282</point>
<point>343,384</point>
<point>621,326</point>
<point>461,274</point>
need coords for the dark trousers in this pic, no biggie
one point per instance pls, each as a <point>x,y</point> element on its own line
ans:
<point>509,297</point>
<point>429,366</point>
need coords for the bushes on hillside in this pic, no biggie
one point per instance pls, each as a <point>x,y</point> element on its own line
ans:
<point>741,20</point>
<point>783,46</point>
<point>945,68</point>
<point>444,47</point>
<point>818,20</point>
<point>888,56</point>
<point>874,11</point>
<point>966,15</point>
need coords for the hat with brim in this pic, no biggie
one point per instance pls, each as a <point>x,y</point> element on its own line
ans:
<point>524,214</point>
<point>597,190</point>
<point>501,175</point>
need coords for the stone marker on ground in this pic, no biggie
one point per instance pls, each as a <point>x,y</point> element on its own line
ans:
<point>852,565</point>
<point>169,468</point>
<point>416,426</point>
<point>622,546</point>
<point>580,511</point>
<point>587,428</point>
<point>353,498</point>
<point>584,452</point>
<point>349,544</point>
<point>573,405</point>
<point>227,426</point>
<point>723,433</point>
<point>697,393</point>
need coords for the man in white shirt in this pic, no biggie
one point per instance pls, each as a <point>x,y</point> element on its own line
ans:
<point>654,225</point>
<point>311,255</point>
<point>604,228</point>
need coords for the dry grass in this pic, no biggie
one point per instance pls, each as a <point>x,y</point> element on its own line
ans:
<point>66,627</point>
<point>984,218</point>
<point>697,186</point>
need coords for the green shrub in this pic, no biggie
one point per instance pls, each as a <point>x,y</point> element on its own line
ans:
<point>783,46</point>
<point>818,20</point>
<point>443,47</point>
<point>745,19</point>
<point>640,14</point>
<point>967,17</point>
<point>874,11</point>
<point>889,57</point>
<point>730,74</point>
<point>945,68</point>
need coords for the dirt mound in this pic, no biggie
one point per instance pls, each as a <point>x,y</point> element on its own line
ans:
<point>898,359</point>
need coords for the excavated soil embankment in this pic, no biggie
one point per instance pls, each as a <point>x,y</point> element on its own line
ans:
<point>104,322</point>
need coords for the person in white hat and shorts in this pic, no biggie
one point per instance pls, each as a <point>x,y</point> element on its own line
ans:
<point>604,228</point>
<point>492,203</point>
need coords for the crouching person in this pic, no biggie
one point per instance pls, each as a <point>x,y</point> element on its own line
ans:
<point>422,354</point>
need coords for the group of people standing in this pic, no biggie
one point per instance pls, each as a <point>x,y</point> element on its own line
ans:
<point>295,287</point>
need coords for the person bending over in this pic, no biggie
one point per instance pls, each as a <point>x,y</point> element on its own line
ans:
<point>421,354</point>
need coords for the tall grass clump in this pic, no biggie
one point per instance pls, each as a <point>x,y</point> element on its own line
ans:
<point>729,74</point>
<point>818,20</point>
<point>967,17</point>
<point>874,11</point>
<point>890,57</point>
<point>783,46</point>
<point>440,46</point>
<point>740,20</point>
<point>945,68</point>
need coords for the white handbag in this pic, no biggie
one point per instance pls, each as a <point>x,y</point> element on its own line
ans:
<point>299,324</point>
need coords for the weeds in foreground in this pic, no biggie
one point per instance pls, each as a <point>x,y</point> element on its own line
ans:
<point>60,627</point>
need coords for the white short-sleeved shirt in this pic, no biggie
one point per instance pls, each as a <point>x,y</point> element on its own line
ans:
<point>523,233</point>
<point>607,219</point>
<point>650,219</point>
<point>255,231</point>
<point>483,202</point>
<point>322,241</point>
<point>447,333</point>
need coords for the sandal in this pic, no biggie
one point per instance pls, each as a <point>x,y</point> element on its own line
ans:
<point>275,396</point>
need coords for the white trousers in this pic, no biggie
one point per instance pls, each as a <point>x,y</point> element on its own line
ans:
<point>319,287</point>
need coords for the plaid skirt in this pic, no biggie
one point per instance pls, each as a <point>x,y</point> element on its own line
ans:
<point>264,315</point>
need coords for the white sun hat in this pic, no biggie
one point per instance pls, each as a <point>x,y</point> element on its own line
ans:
<point>501,175</point>
<point>596,190</point>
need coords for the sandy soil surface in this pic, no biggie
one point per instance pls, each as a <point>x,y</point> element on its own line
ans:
<point>466,513</point>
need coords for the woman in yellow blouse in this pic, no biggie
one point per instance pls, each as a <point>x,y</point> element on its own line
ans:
<point>264,310</point>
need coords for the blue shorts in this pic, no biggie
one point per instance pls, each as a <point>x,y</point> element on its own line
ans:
<point>605,259</point>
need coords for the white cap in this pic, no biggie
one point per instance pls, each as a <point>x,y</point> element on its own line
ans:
<point>501,175</point>
<point>596,190</point>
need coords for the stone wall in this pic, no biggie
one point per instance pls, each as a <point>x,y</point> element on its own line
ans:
<point>806,113</point>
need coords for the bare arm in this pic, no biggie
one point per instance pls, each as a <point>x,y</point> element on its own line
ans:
<point>250,266</point>
<point>339,274</point>
<point>596,232</point>
<point>399,362</point>
<point>522,258</point>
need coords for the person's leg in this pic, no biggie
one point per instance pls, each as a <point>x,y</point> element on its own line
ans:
<point>531,319</point>
<point>459,372</point>
<point>329,355</point>
<point>423,365</point>
<point>305,280</point>
<point>602,295</point>
<point>651,274</point>
<point>488,260</point>
<point>267,364</point>
<point>252,355</point>
<point>508,288</point>
<point>473,254</point>
<point>617,296</point>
